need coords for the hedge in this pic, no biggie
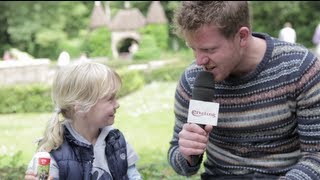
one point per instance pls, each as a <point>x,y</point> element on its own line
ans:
<point>37,97</point>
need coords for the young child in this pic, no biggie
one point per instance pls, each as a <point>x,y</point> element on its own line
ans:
<point>83,144</point>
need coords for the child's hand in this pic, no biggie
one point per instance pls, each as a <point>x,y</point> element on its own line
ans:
<point>31,175</point>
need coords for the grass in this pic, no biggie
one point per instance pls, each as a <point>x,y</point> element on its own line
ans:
<point>19,133</point>
<point>145,117</point>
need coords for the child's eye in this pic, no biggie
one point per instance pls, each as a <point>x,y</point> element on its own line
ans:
<point>111,98</point>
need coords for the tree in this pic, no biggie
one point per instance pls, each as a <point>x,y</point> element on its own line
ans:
<point>38,27</point>
<point>269,17</point>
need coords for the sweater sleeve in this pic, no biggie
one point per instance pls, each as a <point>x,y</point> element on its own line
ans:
<point>308,118</point>
<point>181,104</point>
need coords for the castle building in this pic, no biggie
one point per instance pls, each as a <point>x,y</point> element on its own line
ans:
<point>125,24</point>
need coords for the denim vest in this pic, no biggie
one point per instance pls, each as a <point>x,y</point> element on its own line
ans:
<point>75,158</point>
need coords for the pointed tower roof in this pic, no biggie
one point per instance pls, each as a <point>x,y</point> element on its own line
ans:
<point>98,16</point>
<point>128,19</point>
<point>156,14</point>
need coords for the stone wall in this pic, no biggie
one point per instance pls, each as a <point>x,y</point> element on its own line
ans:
<point>25,72</point>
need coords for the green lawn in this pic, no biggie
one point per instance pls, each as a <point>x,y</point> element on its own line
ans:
<point>145,117</point>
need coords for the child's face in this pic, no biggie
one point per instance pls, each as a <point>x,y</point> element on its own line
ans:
<point>103,113</point>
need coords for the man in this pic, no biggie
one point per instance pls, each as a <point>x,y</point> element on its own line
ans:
<point>287,33</point>
<point>269,96</point>
<point>316,40</point>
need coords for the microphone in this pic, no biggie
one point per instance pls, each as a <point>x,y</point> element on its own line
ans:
<point>203,90</point>
<point>203,87</point>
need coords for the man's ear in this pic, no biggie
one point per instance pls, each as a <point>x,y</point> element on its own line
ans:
<point>243,35</point>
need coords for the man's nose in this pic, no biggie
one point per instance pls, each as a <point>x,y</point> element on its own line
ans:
<point>201,58</point>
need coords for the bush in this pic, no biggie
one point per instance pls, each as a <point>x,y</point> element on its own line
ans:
<point>159,32</point>
<point>37,97</point>
<point>98,43</point>
<point>47,42</point>
<point>166,73</point>
<point>155,39</point>
<point>12,168</point>
<point>25,98</point>
<point>72,46</point>
<point>131,81</point>
<point>148,49</point>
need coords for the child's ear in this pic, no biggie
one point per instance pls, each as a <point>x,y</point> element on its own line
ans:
<point>78,108</point>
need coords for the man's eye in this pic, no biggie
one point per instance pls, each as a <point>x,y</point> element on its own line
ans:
<point>209,50</point>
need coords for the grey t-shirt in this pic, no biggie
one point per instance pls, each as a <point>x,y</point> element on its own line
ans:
<point>100,166</point>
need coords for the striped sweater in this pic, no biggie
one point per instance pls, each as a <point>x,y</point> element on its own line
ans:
<point>268,122</point>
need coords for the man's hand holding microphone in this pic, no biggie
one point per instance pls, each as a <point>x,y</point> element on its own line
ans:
<point>202,116</point>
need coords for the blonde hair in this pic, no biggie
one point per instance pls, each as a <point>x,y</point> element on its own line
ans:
<point>80,85</point>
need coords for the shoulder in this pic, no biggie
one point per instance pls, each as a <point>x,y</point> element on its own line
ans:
<point>190,73</point>
<point>291,51</point>
<point>115,136</point>
<point>185,85</point>
<point>279,49</point>
<point>63,152</point>
<point>67,148</point>
<point>295,58</point>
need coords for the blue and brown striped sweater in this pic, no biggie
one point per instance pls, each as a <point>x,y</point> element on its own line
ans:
<point>269,120</point>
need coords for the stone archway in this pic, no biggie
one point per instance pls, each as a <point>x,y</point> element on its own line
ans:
<point>117,37</point>
<point>127,48</point>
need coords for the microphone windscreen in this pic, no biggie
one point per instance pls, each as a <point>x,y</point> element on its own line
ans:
<point>203,88</point>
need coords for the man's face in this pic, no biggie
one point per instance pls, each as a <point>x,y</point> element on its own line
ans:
<point>214,52</point>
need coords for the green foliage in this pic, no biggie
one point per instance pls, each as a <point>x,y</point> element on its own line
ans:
<point>43,28</point>
<point>4,36</point>
<point>11,167</point>
<point>131,81</point>
<point>166,73</point>
<point>270,16</point>
<point>27,19</point>
<point>159,33</point>
<point>25,98</point>
<point>76,17</point>
<point>146,123</point>
<point>154,42</point>
<point>38,27</point>
<point>148,49</point>
<point>72,46</point>
<point>162,171</point>
<point>37,97</point>
<point>48,40</point>
<point>98,43</point>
